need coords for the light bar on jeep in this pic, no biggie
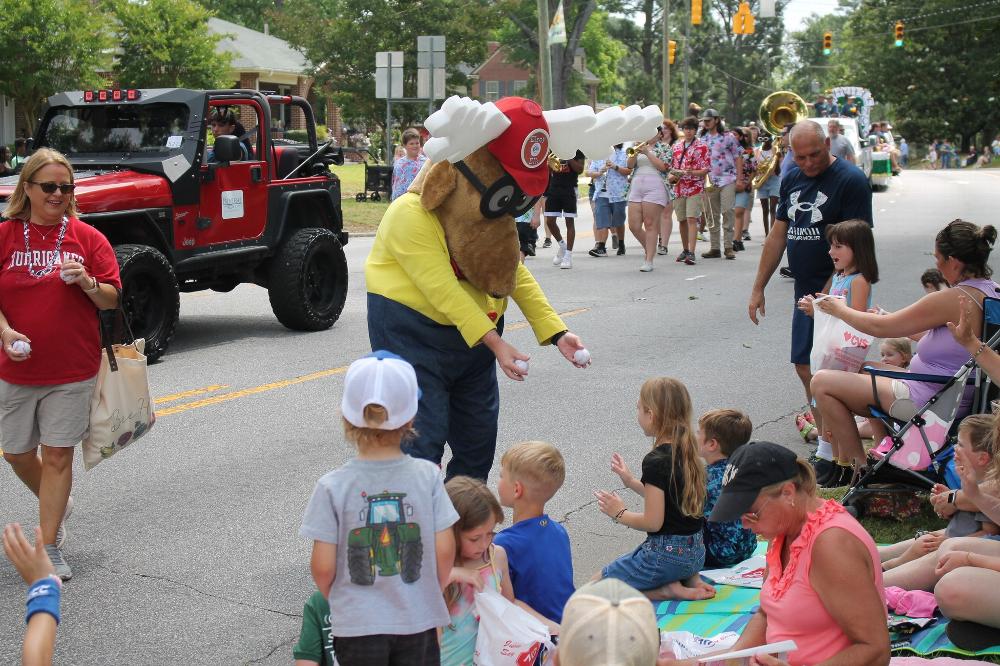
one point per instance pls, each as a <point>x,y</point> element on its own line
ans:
<point>115,95</point>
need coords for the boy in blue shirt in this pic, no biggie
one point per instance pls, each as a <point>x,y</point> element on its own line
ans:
<point>538,551</point>
<point>720,433</point>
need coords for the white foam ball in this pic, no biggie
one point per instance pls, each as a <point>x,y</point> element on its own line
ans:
<point>21,347</point>
<point>581,357</point>
<point>522,366</point>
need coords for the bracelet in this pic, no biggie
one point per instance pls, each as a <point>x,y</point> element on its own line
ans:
<point>951,496</point>
<point>982,347</point>
<point>2,332</point>
<point>618,515</point>
<point>43,597</point>
<point>95,288</point>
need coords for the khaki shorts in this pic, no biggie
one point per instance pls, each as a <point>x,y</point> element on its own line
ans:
<point>55,415</point>
<point>686,207</point>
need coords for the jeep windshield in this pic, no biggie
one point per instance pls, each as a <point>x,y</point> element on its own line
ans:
<point>139,128</point>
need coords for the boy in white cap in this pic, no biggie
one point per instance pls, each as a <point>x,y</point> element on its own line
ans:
<point>383,547</point>
<point>608,623</point>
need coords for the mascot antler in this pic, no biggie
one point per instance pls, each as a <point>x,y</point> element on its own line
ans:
<point>462,125</point>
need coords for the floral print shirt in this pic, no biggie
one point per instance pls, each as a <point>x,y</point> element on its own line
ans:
<point>404,170</point>
<point>612,185</point>
<point>723,149</point>
<point>694,158</point>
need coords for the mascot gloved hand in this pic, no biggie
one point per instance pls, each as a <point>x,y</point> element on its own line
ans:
<point>446,258</point>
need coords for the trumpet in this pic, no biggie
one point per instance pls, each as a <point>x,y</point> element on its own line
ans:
<point>632,151</point>
<point>555,164</point>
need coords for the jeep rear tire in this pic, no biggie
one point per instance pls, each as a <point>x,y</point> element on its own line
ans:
<point>150,296</point>
<point>307,281</point>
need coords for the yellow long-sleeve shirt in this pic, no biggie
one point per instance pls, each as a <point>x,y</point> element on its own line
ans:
<point>409,263</point>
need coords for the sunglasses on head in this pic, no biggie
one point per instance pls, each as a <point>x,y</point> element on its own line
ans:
<point>50,187</point>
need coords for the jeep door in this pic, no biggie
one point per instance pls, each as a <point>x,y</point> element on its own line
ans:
<point>233,204</point>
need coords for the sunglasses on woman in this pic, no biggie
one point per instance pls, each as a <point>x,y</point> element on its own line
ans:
<point>50,187</point>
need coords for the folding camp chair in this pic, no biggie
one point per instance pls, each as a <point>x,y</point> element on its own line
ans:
<point>919,445</point>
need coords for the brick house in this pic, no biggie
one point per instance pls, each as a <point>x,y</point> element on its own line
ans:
<point>499,76</point>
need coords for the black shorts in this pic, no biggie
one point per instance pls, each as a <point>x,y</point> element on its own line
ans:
<point>560,204</point>
<point>377,650</point>
<point>802,324</point>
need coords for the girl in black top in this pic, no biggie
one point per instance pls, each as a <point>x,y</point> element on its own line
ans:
<point>673,486</point>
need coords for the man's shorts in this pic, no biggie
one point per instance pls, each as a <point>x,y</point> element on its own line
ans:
<point>743,200</point>
<point>686,207</point>
<point>802,324</point>
<point>609,214</point>
<point>560,204</point>
<point>54,415</point>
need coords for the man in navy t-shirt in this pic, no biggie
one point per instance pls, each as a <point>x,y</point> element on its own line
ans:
<point>817,191</point>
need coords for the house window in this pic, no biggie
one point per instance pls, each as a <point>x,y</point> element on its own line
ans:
<point>518,88</point>
<point>492,91</point>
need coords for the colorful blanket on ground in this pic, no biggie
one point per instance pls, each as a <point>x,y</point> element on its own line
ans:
<point>732,607</point>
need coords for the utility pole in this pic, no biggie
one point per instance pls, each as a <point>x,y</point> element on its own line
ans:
<point>666,60</point>
<point>687,64</point>
<point>544,56</point>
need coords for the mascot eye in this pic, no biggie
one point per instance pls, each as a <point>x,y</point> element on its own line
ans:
<point>522,204</point>
<point>498,201</point>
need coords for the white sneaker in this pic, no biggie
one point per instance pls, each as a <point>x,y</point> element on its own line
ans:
<point>61,532</point>
<point>646,267</point>
<point>567,260</point>
<point>560,253</point>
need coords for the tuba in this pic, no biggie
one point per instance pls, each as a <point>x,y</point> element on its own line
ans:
<point>777,110</point>
<point>555,164</point>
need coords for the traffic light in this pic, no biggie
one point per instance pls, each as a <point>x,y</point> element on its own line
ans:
<point>671,51</point>
<point>899,33</point>
<point>695,12</point>
<point>743,21</point>
<point>827,43</point>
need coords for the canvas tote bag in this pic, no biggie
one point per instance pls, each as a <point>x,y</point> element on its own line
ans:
<point>121,410</point>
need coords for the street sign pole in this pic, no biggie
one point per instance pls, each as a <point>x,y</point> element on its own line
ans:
<point>388,85</point>
<point>544,56</point>
<point>666,60</point>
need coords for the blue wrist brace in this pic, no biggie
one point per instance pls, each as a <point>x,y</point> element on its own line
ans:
<point>43,597</point>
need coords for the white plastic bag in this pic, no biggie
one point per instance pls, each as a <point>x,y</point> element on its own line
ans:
<point>836,346</point>
<point>508,635</point>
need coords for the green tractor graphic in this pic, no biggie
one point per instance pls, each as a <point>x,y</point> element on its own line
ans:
<point>386,542</point>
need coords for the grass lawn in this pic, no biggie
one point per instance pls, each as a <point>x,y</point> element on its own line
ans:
<point>362,217</point>
<point>352,178</point>
<point>890,530</point>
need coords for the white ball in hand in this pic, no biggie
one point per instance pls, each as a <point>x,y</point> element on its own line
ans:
<point>522,366</point>
<point>581,357</point>
<point>21,347</point>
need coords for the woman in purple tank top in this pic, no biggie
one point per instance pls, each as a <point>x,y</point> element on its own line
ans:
<point>962,252</point>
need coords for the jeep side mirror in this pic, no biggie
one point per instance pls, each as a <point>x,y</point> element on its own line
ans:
<point>227,149</point>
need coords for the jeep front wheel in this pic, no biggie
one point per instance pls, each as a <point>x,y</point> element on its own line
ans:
<point>150,296</point>
<point>307,281</point>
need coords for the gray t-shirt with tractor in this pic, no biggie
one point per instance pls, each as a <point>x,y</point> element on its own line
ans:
<point>383,516</point>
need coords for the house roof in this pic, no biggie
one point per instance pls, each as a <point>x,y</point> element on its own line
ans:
<point>256,51</point>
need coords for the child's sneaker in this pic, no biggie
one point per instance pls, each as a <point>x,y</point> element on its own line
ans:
<point>547,243</point>
<point>59,566</point>
<point>567,260</point>
<point>61,532</point>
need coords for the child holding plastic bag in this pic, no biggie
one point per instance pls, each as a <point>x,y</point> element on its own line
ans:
<point>852,249</point>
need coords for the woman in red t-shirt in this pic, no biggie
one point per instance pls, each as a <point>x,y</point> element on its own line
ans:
<point>55,273</point>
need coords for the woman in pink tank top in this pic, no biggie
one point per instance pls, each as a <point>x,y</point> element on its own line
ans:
<point>823,583</point>
<point>961,252</point>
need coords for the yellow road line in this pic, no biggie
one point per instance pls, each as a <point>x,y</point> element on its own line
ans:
<point>226,397</point>
<point>518,325</point>
<point>190,394</point>
<point>263,388</point>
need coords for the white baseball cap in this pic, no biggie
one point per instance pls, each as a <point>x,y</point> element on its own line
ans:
<point>608,623</point>
<point>384,379</point>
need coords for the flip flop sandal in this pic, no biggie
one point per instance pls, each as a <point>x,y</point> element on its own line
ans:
<point>808,432</point>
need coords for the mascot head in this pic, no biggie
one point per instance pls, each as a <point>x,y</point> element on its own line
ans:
<point>488,164</point>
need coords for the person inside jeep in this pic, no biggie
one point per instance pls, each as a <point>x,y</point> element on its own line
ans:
<point>223,122</point>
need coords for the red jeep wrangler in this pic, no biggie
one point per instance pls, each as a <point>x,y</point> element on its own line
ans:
<point>181,222</point>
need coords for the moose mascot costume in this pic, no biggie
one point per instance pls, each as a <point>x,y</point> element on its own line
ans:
<point>446,259</point>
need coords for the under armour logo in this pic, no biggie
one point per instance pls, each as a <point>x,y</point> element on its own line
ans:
<point>813,208</point>
<point>730,472</point>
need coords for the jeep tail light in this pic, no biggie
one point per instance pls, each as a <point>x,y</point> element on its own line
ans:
<point>115,95</point>
<point>102,96</point>
<point>132,94</point>
<point>88,95</point>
